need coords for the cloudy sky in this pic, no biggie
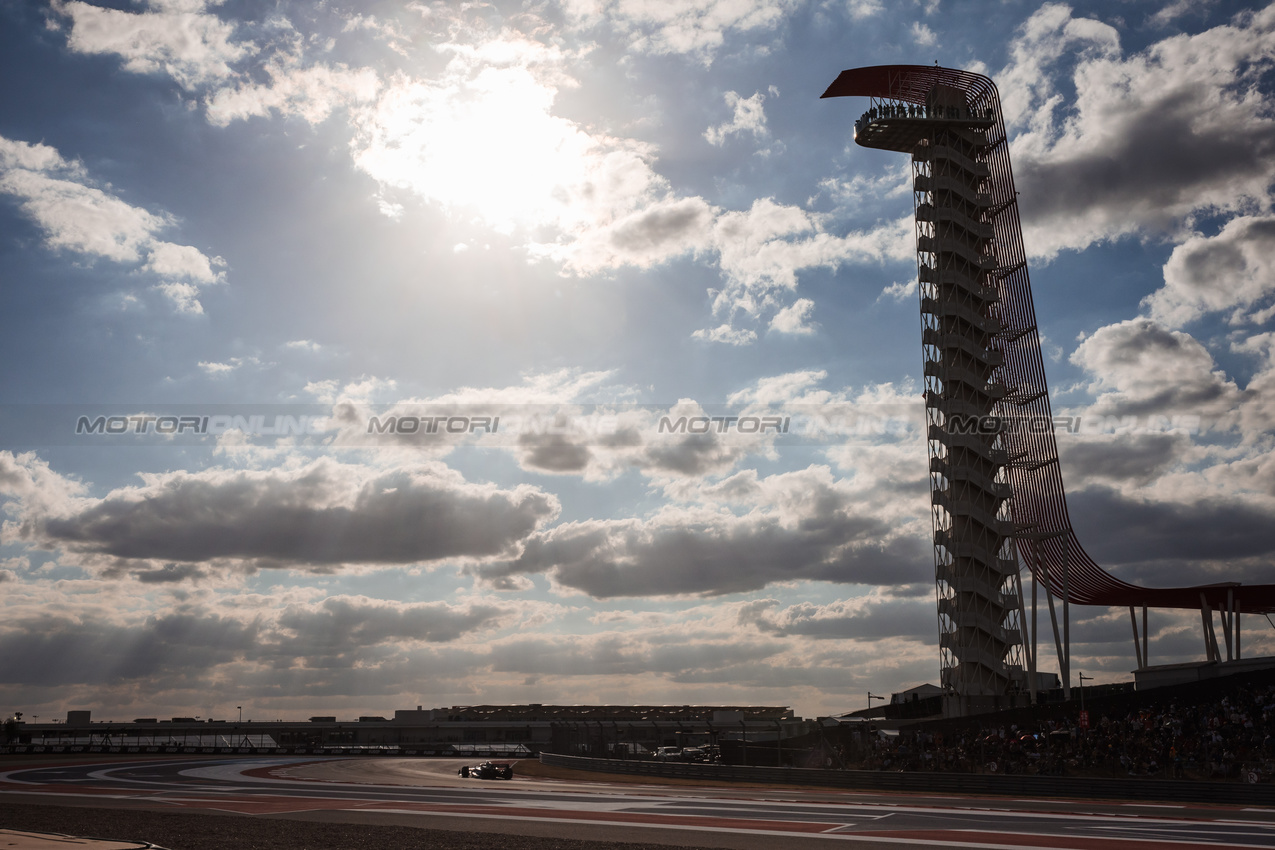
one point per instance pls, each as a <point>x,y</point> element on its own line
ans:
<point>540,229</point>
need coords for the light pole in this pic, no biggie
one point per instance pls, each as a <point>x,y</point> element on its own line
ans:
<point>1082,689</point>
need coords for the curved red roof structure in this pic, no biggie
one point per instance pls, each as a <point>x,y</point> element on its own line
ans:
<point>1042,527</point>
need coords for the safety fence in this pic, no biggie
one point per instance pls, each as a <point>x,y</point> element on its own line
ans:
<point>1169,790</point>
<point>351,750</point>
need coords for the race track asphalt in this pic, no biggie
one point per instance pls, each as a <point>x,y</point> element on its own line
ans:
<point>291,802</point>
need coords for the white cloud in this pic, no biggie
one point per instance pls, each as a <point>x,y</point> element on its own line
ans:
<point>33,489</point>
<point>727,334</point>
<point>177,37</point>
<point>790,387</point>
<point>397,40</point>
<point>311,93</point>
<point>1177,9</point>
<point>566,422</point>
<point>324,391</point>
<point>794,319</point>
<point>363,391</point>
<point>923,35</point>
<point>899,290</point>
<point>560,386</point>
<point>850,195</point>
<point>1030,98</point>
<point>218,369</point>
<point>657,231</point>
<point>574,423</point>
<point>77,216</point>
<point>213,368</point>
<point>748,117</point>
<point>1257,413</point>
<point>1153,139</point>
<point>74,215</point>
<point>762,249</point>
<point>860,9</point>
<point>696,27</point>
<point>1232,272</point>
<point>183,269</point>
<point>1140,367</point>
<point>481,141</point>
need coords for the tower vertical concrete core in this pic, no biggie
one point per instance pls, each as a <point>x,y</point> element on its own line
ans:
<point>952,134</point>
<point>997,498</point>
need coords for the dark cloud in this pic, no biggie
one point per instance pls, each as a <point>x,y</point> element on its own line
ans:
<point>692,556</point>
<point>1093,627</point>
<point>169,573</point>
<point>307,679</point>
<point>340,636</point>
<point>677,223</point>
<point>553,453</point>
<point>1134,458</point>
<point>872,620</point>
<point>325,515</point>
<point>1229,272</point>
<point>610,655</point>
<point>694,454</point>
<point>1158,163</point>
<point>1191,542</point>
<point>1178,642</point>
<point>1207,261</point>
<point>1144,368</point>
<point>345,623</point>
<point>54,650</point>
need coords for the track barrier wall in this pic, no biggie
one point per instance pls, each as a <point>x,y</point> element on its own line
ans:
<point>177,749</point>
<point>1169,790</point>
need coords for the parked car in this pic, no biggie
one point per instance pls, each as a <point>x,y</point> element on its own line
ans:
<point>488,770</point>
<point>668,754</point>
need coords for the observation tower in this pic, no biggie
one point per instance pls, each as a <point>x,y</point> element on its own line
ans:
<point>997,498</point>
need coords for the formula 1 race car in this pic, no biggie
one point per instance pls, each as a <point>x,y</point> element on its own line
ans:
<point>488,770</point>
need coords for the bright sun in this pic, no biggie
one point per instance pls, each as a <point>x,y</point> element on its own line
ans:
<point>488,148</point>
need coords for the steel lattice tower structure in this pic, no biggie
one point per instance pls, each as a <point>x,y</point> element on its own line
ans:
<point>996,487</point>
<point>976,571</point>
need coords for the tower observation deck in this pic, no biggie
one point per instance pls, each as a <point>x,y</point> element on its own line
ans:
<point>996,488</point>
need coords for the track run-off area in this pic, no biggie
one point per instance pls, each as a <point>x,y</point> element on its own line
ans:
<point>428,793</point>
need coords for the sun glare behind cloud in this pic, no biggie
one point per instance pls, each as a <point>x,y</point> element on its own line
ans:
<point>488,147</point>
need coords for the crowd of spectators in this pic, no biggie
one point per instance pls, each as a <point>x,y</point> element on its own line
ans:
<point>1230,737</point>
